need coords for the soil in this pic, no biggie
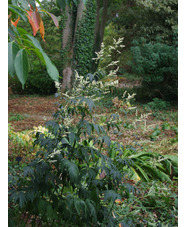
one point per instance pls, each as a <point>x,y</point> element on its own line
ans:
<point>34,111</point>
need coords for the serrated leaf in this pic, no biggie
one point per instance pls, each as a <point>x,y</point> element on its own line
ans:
<point>13,48</point>
<point>71,138</point>
<point>72,169</point>
<point>19,196</point>
<point>21,66</point>
<point>91,206</point>
<point>80,206</point>
<point>28,171</point>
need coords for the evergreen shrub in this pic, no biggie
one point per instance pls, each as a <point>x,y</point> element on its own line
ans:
<point>157,63</point>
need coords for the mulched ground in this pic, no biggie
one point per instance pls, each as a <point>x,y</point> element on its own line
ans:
<point>35,110</point>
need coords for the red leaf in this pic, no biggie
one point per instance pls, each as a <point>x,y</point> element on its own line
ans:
<point>15,23</point>
<point>42,30</point>
<point>30,18</point>
<point>36,19</point>
<point>56,22</point>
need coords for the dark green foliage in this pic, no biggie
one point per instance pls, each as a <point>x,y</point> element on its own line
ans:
<point>149,205</point>
<point>38,82</point>
<point>157,63</point>
<point>157,104</point>
<point>84,40</point>
<point>69,182</point>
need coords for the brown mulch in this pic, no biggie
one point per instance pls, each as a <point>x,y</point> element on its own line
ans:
<point>35,110</point>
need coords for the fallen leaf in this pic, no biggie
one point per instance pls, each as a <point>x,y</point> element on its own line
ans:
<point>118,201</point>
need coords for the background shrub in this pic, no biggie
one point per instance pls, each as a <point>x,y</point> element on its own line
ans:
<point>157,63</point>
<point>38,82</point>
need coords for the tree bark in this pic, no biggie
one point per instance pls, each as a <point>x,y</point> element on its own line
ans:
<point>67,71</point>
<point>104,19</point>
<point>80,10</point>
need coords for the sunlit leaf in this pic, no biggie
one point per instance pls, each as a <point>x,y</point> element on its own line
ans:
<point>42,30</point>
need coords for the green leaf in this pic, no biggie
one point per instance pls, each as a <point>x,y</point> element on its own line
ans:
<point>72,169</point>
<point>21,66</point>
<point>24,4</point>
<point>35,42</point>
<point>80,206</point>
<point>142,172</point>
<point>51,68</point>
<point>39,3</point>
<point>13,48</point>
<point>17,10</point>
<point>19,196</point>
<point>39,55</point>
<point>91,206</point>
<point>62,3</point>
<point>84,2</point>
<point>111,195</point>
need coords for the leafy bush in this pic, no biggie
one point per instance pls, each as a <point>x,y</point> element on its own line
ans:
<point>38,82</point>
<point>70,182</point>
<point>154,204</point>
<point>21,143</point>
<point>157,104</point>
<point>157,63</point>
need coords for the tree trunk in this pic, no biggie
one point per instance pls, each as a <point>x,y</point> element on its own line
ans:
<point>67,71</point>
<point>104,20</point>
<point>100,27</point>
<point>80,10</point>
<point>68,43</point>
<point>97,28</point>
